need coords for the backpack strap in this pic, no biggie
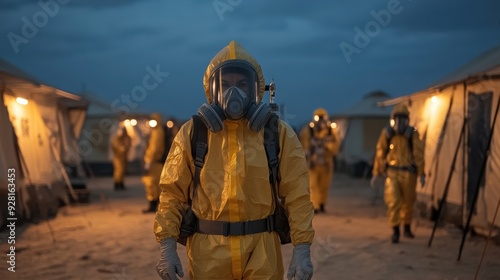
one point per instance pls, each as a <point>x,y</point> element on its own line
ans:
<point>271,145</point>
<point>409,135</point>
<point>199,148</point>
<point>389,133</point>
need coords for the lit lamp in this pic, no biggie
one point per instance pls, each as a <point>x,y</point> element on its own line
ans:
<point>153,123</point>
<point>22,101</point>
<point>434,99</point>
<point>133,122</point>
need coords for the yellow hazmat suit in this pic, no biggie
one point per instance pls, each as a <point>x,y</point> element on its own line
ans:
<point>234,186</point>
<point>120,146</point>
<point>401,163</point>
<point>320,144</point>
<point>152,160</point>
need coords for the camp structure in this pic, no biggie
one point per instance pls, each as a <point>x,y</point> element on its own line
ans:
<point>359,128</point>
<point>39,127</point>
<point>457,119</point>
<point>101,125</point>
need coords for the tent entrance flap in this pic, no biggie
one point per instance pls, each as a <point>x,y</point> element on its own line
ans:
<point>479,115</point>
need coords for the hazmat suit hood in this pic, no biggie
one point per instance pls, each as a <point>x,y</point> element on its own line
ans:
<point>233,51</point>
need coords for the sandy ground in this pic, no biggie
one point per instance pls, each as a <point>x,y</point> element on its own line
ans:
<point>110,238</point>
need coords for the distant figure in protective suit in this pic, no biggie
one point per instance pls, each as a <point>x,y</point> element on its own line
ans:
<point>120,146</point>
<point>170,129</point>
<point>153,163</point>
<point>320,145</point>
<point>400,159</point>
<point>234,201</point>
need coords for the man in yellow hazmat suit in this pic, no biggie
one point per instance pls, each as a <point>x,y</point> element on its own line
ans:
<point>234,187</point>
<point>400,158</point>
<point>153,163</point>
<point>120,146</point>
<point>320,145</point>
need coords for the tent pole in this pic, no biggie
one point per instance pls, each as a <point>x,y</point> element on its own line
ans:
<point>487,239</point>
<point>480,177</point>
<point>23,162</point>
<point>447,186</point>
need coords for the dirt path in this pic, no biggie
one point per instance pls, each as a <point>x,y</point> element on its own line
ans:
<point>111,239</point>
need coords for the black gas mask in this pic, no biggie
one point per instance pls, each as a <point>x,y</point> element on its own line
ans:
<point>234,90</point>
<point>401,123</point>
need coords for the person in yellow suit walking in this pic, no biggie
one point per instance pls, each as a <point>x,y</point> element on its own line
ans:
<point>320,144</point>
<point>120,146</point>
<point>400,159</point>
<point>233,202</point>
<point>153,163</point>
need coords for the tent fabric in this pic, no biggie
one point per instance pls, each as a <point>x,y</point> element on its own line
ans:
<point>35,143</point>
<point>8,159</point>
<point>359,127</point>
<point>441,113</point>
<point>8,155</point>
<point>484,64</point>
<point>367,107</point>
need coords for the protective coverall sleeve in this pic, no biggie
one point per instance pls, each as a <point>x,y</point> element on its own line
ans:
<point>175,182</point>
<point>380,155</point>
<point>305,137</point>
<point>333,144</point>
<point>156,146</point>
<point>418,153</point>
<point>115,145</point>
<point>294,186</point>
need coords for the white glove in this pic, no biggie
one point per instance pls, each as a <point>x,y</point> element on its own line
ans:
<point>169,264</point>
<point>301,267</point>
<point>422,180</point>
<point>376,180</point>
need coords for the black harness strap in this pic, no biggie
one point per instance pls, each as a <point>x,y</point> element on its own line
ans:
<point>199,148</point>
<point>271,145</point>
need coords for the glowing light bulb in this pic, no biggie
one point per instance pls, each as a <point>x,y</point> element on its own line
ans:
<point>22,101</point>
<point>153,123</point>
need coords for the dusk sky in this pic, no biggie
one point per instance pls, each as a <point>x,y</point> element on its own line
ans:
<point>320,53</point>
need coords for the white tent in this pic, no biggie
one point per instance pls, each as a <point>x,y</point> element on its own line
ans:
<point>455,119</point>
<point>359,127</point>
<point>46,122</point>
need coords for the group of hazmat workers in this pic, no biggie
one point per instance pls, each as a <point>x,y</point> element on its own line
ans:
<point>238,182</point>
